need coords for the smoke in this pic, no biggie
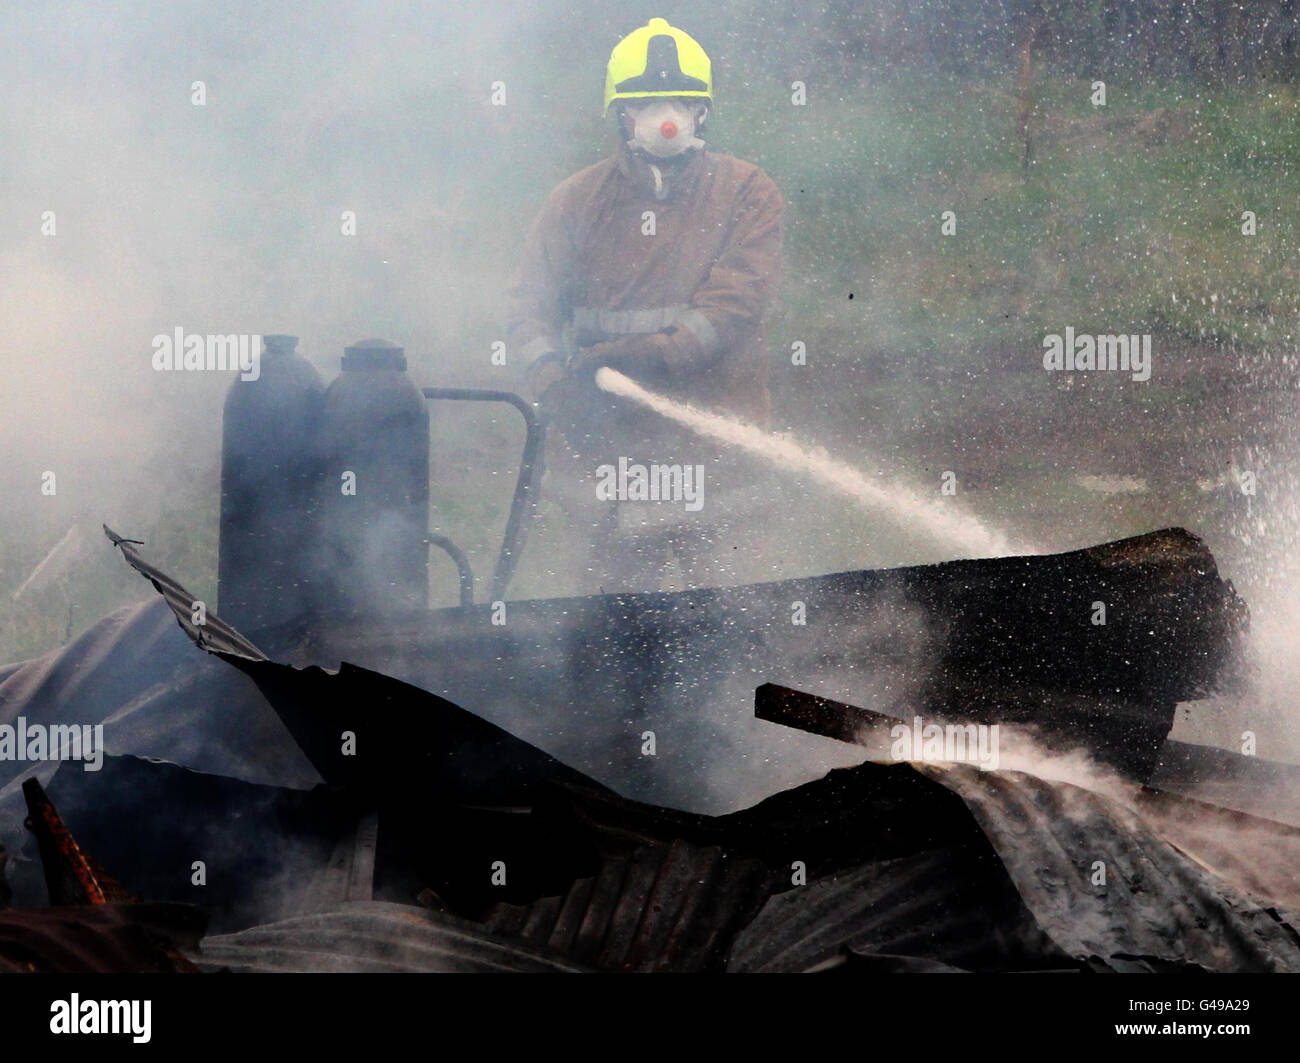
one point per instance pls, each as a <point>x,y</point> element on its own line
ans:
<point>136,209</point>
<point>959,531</point>
<point>225,218</point>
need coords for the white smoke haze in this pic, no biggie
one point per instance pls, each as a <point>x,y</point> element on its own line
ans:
<point>1019,749</point>
<point>226,218</point>
<point>1023,750</point>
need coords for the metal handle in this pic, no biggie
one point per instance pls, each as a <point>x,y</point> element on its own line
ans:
<point>522,505</point>
<point>462,566</point>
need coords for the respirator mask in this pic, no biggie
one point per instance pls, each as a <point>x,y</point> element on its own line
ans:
<point>664,128</point>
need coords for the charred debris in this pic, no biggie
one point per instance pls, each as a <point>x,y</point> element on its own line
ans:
<point>463,796</point>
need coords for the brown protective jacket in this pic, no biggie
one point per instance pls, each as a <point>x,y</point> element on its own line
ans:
<point>591,271</point>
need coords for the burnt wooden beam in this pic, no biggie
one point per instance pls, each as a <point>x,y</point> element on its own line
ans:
<point>817,715</point>
<point>1145,619</point>
<point>1095,647</point>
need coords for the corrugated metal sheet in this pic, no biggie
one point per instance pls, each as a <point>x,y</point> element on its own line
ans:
<point>669,907</point>
<point>943,908</point>
<point>373,937</point>
<point>1156,901</point>
<point>138,675</point>
<point>214,634</point>
<point>950,866</point>
<point>909,865</point>
<point>1258,856</point>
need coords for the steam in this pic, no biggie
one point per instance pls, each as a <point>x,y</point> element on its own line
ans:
<point>958,530</point>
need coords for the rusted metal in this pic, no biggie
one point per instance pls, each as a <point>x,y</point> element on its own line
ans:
<point>100,939</point>
<point>72,875</point>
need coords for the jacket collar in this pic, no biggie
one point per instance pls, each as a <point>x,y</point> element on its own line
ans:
<point>675,178</point>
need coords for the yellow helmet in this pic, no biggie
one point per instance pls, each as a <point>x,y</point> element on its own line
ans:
<point>657,60</point>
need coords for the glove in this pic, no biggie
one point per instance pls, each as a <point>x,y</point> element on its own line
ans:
<point>546,371</point>
<point>643,351</point>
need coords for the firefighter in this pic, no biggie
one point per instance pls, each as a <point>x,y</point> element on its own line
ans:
<point>660,262</point>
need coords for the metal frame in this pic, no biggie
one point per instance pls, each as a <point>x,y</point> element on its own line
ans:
<point>521,506</point>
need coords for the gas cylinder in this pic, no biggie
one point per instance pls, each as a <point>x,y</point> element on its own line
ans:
<point>269,487</point>
<point>374,439</point>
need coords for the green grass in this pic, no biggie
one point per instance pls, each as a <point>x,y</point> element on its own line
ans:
<point>1105,227</point>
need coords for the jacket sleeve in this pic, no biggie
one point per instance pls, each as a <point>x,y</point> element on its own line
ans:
<point>732,300</point>
<point>537,296</point>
